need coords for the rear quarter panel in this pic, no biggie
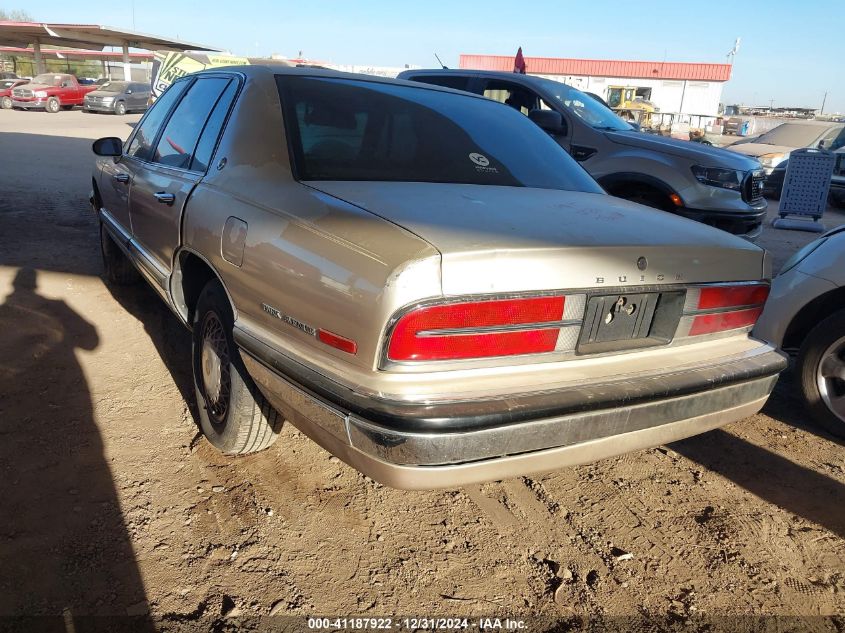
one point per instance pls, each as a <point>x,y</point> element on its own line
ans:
<point>323,262</point>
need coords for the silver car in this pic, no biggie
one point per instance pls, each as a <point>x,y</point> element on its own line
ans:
<point>772,148</point>
<point>422,280</point>
<point>805,314</point>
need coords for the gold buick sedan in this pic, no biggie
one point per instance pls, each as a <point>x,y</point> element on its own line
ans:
<point>422,280</point>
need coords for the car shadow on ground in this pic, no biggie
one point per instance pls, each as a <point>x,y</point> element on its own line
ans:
<point>171,339</point>
<point>773,478</point>
<point>66,551</point>
<point>786,405</point>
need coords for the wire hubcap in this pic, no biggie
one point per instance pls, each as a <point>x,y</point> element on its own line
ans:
<point>214,365</point>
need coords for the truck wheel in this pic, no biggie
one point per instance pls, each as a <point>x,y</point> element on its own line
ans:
<point>53,105</point>
<point>120,108</point>
<point>116,266</point>
<point>6,103</point>
<point>234,416</point>
<point>821,369</point>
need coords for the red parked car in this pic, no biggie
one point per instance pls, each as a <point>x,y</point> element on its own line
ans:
<point>6,86</point>
<point>51,92</point>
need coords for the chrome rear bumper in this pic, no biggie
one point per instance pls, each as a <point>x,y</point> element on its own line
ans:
<point>679,405</point>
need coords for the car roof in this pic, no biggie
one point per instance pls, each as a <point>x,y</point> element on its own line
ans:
<point>267,70</point>
<point>498,74</point>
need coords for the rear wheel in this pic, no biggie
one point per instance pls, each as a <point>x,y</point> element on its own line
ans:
<point>234,415</point>
<point>120,108</point>
<point>821,369</point>
<point>116,265</point>
<point>53,105</point>
<point>6,103</point>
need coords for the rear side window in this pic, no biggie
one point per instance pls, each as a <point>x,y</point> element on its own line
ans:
<point>182,132</point>
<point>140,146</point>
<point>343,129</point>
<point>513,95</point>
<point>447,81</point>
<point>208,139</point>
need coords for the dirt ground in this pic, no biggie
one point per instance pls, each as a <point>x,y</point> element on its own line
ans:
<point>113,505</point>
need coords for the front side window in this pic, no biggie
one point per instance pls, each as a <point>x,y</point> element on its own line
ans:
<point>342,129</point>
<point>140,144</point>
<point>586,108</point>
<point>180,136</point>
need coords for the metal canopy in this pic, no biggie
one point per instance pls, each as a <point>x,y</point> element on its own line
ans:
<point>90,36</point>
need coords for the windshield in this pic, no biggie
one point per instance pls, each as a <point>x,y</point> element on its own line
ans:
<point>792,135</point>
<point>586,108</point>
<point>363,130</point>
<point>113,86</point>
<point>48,80</point>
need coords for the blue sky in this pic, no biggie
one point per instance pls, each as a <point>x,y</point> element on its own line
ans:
<point>791,52</point>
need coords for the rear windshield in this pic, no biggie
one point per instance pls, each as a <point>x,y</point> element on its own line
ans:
<point>792,135</point>
<point>342,129</point>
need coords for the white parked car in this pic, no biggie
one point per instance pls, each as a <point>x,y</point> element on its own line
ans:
<point>805,313</point>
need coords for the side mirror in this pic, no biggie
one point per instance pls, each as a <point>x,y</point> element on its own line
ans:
<point>109,146</point>
<point>549,120</point>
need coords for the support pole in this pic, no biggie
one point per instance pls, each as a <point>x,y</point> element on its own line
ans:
<point>105,70</point>
<point>127,71</point>
<point>39,61</point>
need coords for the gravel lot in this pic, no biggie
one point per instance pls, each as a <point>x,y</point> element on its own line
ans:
<point>113,504</point>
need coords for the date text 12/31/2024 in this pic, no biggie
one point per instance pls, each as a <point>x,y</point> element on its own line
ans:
<point>416,624</point>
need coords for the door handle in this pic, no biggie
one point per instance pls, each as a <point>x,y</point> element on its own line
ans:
<point>165,198</point>
<point>122,178</point>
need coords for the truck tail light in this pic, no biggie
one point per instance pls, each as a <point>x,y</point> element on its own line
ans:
<point>478,329</point>
<point>722,308</point>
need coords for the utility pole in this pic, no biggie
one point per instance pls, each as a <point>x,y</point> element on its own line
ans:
<point>823,102</point>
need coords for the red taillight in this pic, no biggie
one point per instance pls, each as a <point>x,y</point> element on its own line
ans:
<point>478,329</point>
<point>717,297</point>
<point>724,308</point>
<point>722,321</point>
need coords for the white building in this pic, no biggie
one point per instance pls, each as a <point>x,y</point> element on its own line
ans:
<point>687,88</point>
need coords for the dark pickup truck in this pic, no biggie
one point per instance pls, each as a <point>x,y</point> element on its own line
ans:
<point>51,92</point>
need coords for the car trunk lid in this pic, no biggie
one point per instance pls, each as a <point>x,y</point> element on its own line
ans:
<point>511,239</point>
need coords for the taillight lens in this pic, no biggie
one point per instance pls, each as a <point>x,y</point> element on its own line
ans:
<point>725,308</point>
<point>717,297</point>
<point>479,329</point>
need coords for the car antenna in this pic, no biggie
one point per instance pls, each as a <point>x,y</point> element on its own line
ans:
<point>442,65</point>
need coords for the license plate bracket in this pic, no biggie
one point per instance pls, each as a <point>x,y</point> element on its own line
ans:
<point>615,322</point>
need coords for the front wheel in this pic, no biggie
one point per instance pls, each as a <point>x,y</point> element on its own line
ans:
<point>6,103</point>
<point>120,108</point>
<point>53,105</point>
<point>234,415</point>
<point>821,369</point>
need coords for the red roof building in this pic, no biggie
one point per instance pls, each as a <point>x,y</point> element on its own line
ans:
<point>602,67</point>
<point>689,88</point>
